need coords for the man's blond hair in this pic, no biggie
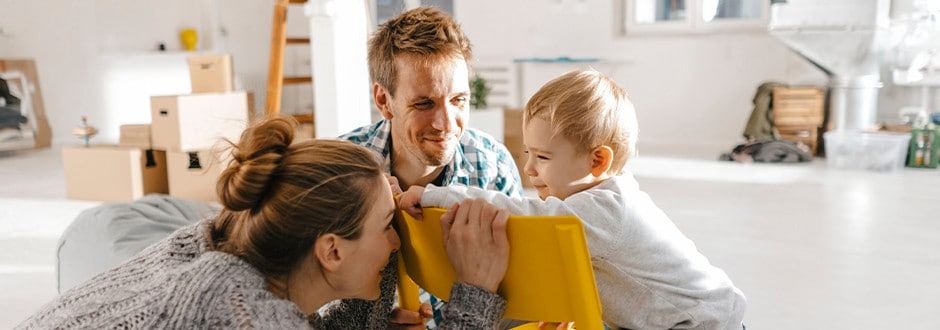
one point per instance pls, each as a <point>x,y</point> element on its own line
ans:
<point>424,33</point>
<point>589,110</point>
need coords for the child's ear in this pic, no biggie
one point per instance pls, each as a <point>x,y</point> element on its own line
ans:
<point>381,97</point>
<point>328,251</point>
<point>601,159</point>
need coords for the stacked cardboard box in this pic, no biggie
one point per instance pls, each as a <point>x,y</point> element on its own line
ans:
<point>193,128</point>
<point>122,172</point>
<point>113,172</point>
<point>178,153</point>
<point>799,113</point>
<point>210,73</point>
<point>135,136</point>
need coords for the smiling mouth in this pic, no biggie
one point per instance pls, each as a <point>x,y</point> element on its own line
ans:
<point>438,139</point>
<point>439,142</point>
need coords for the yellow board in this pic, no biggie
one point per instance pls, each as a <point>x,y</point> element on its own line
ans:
<point>550,277</point>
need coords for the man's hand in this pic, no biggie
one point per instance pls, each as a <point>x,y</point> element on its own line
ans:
<point>405,319</point>
<point>410,201</point>
<point>476,242</point>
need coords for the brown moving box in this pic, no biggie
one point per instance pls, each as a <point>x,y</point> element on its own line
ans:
<point>135,135</point>
<point>210,73</point>
<point>113,173</point>
<point>193,175</point>
<point>198,121</point>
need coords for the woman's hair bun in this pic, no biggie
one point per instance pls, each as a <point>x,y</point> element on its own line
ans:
<point>256,160</point>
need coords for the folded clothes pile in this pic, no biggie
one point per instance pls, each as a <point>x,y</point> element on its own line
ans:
<point>10,115</point>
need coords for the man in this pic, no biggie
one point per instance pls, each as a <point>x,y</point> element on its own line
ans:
<point>420,63</point>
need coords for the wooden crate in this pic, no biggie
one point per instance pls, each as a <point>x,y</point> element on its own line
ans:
<point>799,106</point>
<point>808,134</point>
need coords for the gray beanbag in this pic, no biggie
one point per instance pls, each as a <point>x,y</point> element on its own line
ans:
<point>107,235</point>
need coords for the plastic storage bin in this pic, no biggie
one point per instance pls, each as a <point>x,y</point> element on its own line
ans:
<point>874,151</point>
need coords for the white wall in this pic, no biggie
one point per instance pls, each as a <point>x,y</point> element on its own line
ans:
<point>78,44</point>
<point>694,89</point>
<point>57,35</point>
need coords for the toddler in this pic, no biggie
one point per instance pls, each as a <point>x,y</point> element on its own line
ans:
<point>580,130</point>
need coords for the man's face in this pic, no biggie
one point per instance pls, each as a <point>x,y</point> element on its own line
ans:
<point>429,109</point>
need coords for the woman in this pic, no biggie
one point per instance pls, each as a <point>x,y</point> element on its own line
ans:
<point>303,224</point>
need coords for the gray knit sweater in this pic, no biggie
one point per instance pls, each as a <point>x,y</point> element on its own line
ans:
<point>179,283</point>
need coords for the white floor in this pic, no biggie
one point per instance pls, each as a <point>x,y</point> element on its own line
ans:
<point>812,248</point>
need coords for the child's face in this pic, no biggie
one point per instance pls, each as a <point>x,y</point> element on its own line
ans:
<point>553,164</point>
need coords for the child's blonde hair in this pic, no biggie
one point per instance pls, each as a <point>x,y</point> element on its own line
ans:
<point>589,110</point>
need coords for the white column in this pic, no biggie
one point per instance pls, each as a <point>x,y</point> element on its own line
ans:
<point>338,36</point>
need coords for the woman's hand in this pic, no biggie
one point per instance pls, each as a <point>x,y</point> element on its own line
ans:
<point>410,201</point>
<point>476,242</point>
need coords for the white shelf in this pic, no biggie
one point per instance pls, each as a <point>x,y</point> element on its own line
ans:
<point>900,77</point>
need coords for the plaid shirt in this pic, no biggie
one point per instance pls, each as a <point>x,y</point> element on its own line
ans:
<point>479,161</point>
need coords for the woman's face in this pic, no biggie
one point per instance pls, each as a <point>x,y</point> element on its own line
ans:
<point>369,254</point>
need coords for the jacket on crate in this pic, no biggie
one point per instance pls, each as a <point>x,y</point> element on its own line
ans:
<point>760,126</point>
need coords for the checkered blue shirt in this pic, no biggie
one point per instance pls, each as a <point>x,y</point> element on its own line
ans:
<point>479,161</point>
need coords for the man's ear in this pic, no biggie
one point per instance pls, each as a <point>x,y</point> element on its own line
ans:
<point>328,252</point>
<point>382,98</point>
<point>601,159</point>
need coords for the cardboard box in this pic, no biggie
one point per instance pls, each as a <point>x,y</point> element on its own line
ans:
<point>194,175</point>
<point>113,173</point>
<point>198,121</point>
<point>305,131</point>
<point>137,135</point>
<point>210,73</point>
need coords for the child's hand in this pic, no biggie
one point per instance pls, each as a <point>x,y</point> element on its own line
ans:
<point>393,182</point>
<point>410,201</point>
<point>555,326</point>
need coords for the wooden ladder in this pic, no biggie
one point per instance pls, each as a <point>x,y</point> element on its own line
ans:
<point>276,78</point>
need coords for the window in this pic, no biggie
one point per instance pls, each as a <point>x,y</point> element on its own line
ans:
<point>385,9</point>
<point>694,16</point>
